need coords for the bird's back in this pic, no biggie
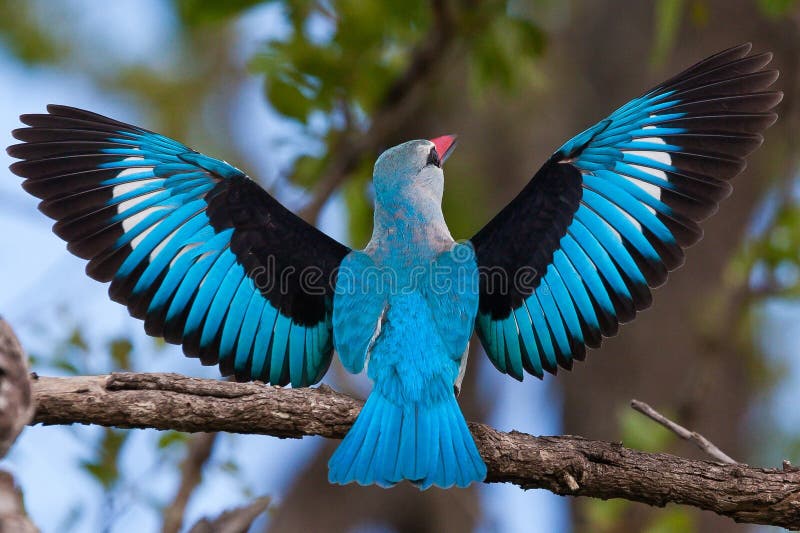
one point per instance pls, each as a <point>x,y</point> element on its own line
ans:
<point>409,359</point>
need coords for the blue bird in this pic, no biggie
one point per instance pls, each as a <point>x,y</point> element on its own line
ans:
<point>211,261</point>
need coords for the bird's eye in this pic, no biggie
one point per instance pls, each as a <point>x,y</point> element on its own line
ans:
<point>433,158</point>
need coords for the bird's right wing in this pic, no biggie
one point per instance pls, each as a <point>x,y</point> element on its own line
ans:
<point>611,212</point>
<point>189,243</point>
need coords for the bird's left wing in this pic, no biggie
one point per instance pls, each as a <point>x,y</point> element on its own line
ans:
<point>189,243</point>
<point>604,220</point>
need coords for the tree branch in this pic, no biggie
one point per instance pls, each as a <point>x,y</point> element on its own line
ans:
<point>565,465</point>
<point>12,509</point>
<point>16,410</point>
<point>16,407</point>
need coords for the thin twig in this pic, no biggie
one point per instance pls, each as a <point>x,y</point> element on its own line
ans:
<point>236,520</point>
<point>703,443</point>
<point>198,451</point>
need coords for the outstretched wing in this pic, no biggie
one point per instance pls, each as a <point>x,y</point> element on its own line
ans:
<point>189,243</point>
<point>605,219</point>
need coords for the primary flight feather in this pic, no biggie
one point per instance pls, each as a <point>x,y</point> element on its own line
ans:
<point>211,261</point>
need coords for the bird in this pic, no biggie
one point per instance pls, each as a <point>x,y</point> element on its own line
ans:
<point>211,261</point>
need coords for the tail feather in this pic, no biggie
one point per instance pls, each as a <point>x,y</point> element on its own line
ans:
<point>363,448</point>
<point>425,444</point>
<point>475,466</point>
<point>369,444</point>
<point>388,448</point>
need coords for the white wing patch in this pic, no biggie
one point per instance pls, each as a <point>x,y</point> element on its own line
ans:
<point>657,157</point>
<point>126,188</point>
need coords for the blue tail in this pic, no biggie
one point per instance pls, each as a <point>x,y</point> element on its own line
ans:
<point>425,444</point>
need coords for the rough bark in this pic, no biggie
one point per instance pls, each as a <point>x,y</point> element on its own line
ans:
<point>16,407</point>
<point>565,465</point>
<point>16,410</point>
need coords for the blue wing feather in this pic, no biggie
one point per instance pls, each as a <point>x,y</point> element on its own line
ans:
<point>162,223</point>
<point>650,172</point>
<point>359,304</point>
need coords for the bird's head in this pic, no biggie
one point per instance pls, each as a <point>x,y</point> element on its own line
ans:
<point>412,170</point>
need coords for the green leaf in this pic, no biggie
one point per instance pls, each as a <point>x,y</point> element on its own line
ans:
<point>120,350</point>
<point>501,55</point>
<point>287,98</point>
<point>776,8</point>
<point>699,13</point>
<point>77,340</point>
<point>641,433</point>
<point>26,37</point>
<point>159,343</point>
<point>667,23</point>
<point>66,366</point>
<point>359,206</point>
<point>196,12</point>
<point>307,170</point>
<point>604,515</point>
<point>671,520</point>
<point>105,468</point>
<point>170,438</point>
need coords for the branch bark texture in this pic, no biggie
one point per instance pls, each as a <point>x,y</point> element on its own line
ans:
<point>16,407</point>
<point>565,465</point>
<point>16,410</point>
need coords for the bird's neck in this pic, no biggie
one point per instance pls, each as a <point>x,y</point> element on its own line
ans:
<point>407,228</point>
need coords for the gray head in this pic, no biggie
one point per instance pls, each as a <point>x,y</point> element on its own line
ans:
<point>412,171</point>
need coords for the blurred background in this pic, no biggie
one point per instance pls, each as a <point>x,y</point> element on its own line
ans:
<point>303,95</point>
